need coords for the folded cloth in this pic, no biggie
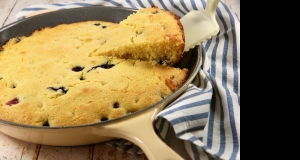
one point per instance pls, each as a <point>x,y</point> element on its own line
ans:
<point>207,116</point>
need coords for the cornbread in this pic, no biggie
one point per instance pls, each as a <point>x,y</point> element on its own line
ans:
<point>158,33</point>
<point>91,71</point>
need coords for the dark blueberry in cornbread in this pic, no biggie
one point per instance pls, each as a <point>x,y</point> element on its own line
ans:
<point>77,69</point>
<point>104,66</point>
<point>116,105</point>
<point>62,89</point>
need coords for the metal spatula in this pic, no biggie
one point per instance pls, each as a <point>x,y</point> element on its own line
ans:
<point>199,26</point>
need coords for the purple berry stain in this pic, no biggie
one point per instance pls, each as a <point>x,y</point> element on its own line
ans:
<point>13,102</point>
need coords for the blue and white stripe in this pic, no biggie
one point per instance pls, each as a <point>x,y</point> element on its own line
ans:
<point>207,115</point>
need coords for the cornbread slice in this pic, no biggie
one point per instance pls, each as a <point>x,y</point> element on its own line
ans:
<point>158,33</point>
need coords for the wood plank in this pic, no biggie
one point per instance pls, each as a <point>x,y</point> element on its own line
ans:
<point>30,151</point>
<point>62,1</point>
<point>66,153</point>
<point>11,148</point>
<point>104,152</point>
<point>234,5</point>
<point>19,6</point>
<point>5,9</point>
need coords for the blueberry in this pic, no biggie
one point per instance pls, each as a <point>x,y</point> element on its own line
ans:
<point>82,78</point>
<point>164,60</point>
<point>104,66</point>
<point>63,89</point>
<point>107,66</point>
<point>104,119</point>
<point>116,105</point>
<point>77,69</point>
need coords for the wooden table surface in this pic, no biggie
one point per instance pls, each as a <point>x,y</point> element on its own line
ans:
<point>13,149</point>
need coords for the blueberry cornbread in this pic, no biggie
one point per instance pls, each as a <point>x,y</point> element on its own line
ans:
<point>82,73</point>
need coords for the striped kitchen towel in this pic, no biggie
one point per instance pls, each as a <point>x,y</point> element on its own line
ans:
<point>207,116</point>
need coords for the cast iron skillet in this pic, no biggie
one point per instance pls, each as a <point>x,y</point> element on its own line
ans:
<point>137,127</point>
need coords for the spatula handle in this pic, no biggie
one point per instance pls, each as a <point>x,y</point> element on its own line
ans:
<point>211,6</point>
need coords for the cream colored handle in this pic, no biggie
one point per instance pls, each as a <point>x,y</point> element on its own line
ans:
<point>139,130</point>
<point>211,6</point>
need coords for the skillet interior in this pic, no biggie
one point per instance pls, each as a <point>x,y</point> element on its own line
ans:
<point>191,59</point>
